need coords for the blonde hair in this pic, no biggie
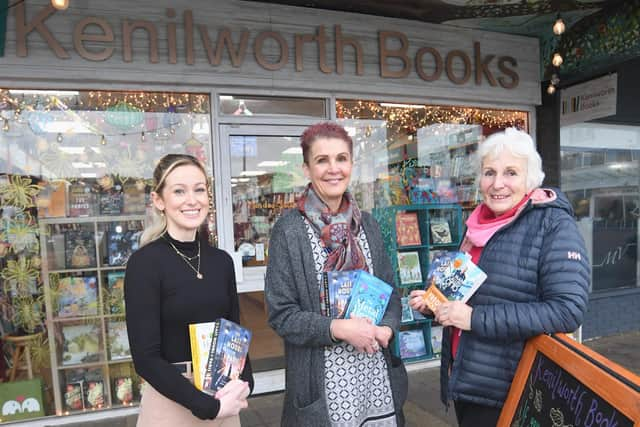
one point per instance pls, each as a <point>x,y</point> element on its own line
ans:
<point>157,223</point>
<point>519,144</point>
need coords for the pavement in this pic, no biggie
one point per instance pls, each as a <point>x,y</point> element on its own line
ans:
<point>423,407</point>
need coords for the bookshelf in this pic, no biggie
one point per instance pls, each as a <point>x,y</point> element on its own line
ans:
<point>439,226</point>
<point>83,276</point>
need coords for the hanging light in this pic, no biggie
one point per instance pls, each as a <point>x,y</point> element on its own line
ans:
<point>558,26</point>
<point>557,60</point>
<point>59,137</point>
<point>103,140</point>
<point>60,4</point>
<point>142,136</point>
<point>551,89</point>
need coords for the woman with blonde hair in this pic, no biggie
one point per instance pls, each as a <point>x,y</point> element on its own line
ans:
<point>173,280</point>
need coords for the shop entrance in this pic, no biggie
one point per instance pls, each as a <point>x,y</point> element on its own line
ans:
<point>261,177</point>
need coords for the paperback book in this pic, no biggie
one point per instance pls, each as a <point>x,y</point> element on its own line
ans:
<point>407,229</point>
<point>436,340</point>
<point>407,312</point>
<point>227,355</point>
<point>121,245</point>
<point>440,232</point>
<point>111,202</point>
<point>95,394</point>
<point>118,340</point>
<point>409,268</point>
<point>80,249</point>
<point>115,296</point>
<point>452,277</point>
<point>200,336</point>
<point>123,390</point>
<point>77,296</point>
<point>369,298</point>
<point>81,343</point>
<point>82,200</point>
<point>74,396</point>
<point>337,290</point>
<point>411,343</point>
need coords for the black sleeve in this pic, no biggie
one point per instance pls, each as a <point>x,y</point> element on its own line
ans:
<point>247,373</point>
<point>143,303</point>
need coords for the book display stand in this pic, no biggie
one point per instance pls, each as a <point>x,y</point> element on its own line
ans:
<point>440,228</point>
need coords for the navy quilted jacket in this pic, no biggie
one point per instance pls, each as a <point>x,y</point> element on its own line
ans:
<point>537,282</point>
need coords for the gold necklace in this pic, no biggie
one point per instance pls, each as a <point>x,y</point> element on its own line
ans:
<point>188,259</point>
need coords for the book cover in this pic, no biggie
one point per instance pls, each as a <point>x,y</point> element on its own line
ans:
<point>80,249</point>
<point>338,285</point>
<point>436,340</point>
<point>52,200</point>
<point>407,312</point>
<point>200,336</point>
<point>123,390</point>
<point>111,202</point>
<point>115,295</point>
<point>118,340</point>
<point>74,396</point>
<point>417,315</point>
<point>81,199</point>
<point>95,394</point>
<point>227,356</point>
<point>407,229</point>
<point>412,344</point>
<point>77,296</point>
<point>134,199</point>
<point>453,277</point>
<point>409,268</point>
<point>81,343</point>
<point>120,245</point>
<point>369,298</point>
<point>440,232</point>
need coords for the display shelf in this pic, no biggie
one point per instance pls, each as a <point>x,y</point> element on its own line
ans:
<point>80,292</point>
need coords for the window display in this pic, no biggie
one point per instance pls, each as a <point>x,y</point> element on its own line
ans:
<point>75,175</point>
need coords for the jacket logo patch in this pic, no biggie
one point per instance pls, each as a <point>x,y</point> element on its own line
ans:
<point>574,255</point>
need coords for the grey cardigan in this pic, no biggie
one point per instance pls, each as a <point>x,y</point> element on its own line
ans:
<point>293,303</point>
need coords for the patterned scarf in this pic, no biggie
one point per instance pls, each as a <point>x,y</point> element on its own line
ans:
<point>337,231</point>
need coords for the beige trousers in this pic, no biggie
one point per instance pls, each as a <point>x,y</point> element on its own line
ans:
<point>158,411</point>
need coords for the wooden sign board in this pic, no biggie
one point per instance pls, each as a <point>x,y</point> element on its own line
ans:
<point>560,382</point>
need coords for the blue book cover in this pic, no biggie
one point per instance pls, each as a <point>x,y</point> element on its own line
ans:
<point>369,298</point>
<point>227,355</point>
<point>452,276</point>
<point>338,287</point>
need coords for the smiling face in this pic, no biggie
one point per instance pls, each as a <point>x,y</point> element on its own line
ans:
<point>329,169</point>
<point>503,182</point>
<point>184,201</point>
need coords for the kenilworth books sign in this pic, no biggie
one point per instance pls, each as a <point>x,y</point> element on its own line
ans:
<point>95,39</point>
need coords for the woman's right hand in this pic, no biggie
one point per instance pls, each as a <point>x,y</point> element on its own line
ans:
<point>417,302</point>
<point>233,398</point>
<point>357,331</point>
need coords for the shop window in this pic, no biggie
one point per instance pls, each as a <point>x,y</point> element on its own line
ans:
<point>605,194</point>
<point>240,105</point>
<point>408,154</point>
<point>75,180</point>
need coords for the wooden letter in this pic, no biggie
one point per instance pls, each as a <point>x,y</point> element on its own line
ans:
<point>79,37</point>
<point>171,37</point>
<point>438,62</point>
<point>127,30</point>
<point>399,53</point>
<point>284,51</point>
<point>482,65</point>
<point>467,67</point>
<point>321,39</point>
<point>188,36</point>
<point>505,83</point>
<point>340,43</point>
<point>224,39</point>
<point>37,23</point>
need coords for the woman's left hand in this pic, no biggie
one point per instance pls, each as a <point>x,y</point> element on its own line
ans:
<point>454,313</point>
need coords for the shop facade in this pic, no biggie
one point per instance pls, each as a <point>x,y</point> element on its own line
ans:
<point>92,97</point>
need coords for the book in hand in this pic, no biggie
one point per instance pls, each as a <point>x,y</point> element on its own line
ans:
<point>200,335</point>
<point>452,277</point>
<point>369,298</point>
<point>440,232</point>
<point>409,267</point>
<point>337,290</point>
<point>407,229</point>
<point>227,355</point>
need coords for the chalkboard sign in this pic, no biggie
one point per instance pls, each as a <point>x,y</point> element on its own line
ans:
<point>562,383</point>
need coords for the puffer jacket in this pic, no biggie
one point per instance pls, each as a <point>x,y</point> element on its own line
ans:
<point>537,282</point>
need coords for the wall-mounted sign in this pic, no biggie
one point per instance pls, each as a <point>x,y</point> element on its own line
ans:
<point>588,101</point>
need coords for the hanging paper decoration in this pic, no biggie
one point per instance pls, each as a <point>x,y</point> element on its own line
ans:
<point>124,115</point>
<point>38,118</point>
<point>195,148</point>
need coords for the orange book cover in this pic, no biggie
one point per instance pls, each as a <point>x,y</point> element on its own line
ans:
<point>433,297</point>
<point>407,229</point>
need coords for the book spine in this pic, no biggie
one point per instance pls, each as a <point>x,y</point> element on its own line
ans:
<point>433,297</point>
<point>327,299</point>
<point>195,356</point>
<point>210,369</point>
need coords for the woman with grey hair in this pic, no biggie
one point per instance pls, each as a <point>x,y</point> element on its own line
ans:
<point>525,238</point>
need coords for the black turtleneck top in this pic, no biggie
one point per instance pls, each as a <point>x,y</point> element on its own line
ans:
<point>163,296</point>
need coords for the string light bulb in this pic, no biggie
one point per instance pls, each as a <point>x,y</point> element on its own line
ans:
<point>559,26</point>
<point>5,126</point>
<point>103,140</point>
<point>142,136</point>
<point>551,89</point>
<point>557,60</point>
<point>60,4</point>
<point>59,137</point>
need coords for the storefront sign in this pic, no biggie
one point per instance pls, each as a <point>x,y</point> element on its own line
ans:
<point>588,101</point>
<point>94,39</point>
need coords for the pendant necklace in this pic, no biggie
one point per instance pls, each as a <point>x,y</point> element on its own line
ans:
<point>188,259</point>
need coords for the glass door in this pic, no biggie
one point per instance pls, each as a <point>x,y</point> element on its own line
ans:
<point>261,177</point>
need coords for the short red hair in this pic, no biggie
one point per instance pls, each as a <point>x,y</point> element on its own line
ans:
<point>323,130</point>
